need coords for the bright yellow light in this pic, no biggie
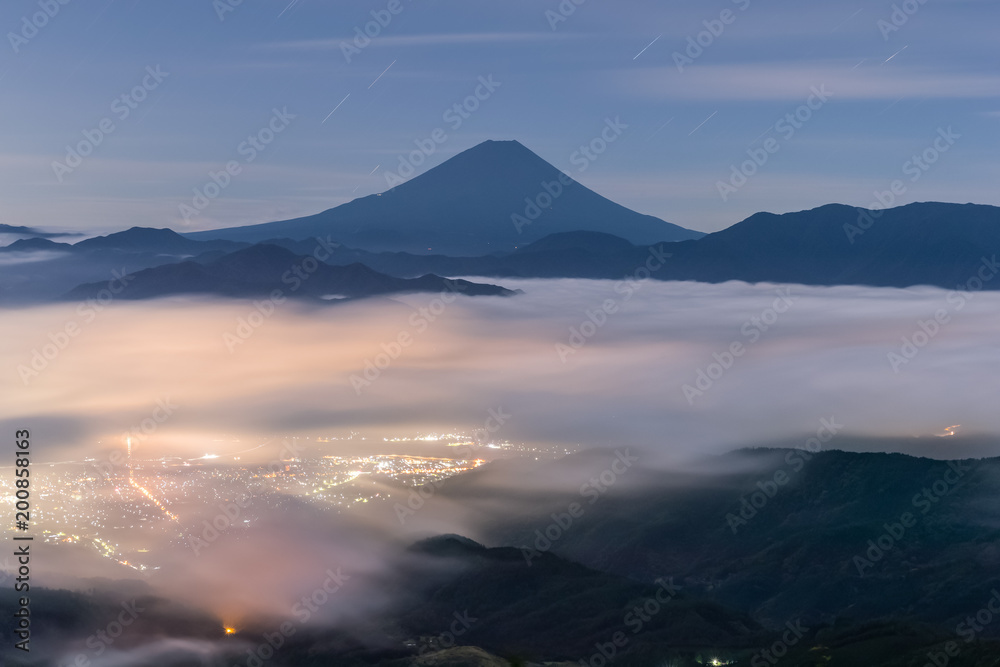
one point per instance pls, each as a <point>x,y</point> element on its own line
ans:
<point>230,631</point>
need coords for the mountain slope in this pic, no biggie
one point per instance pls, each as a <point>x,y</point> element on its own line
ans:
<point>803,549</point>
<point>466,206</point>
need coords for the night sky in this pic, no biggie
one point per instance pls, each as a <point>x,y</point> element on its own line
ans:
<point>892,81</point>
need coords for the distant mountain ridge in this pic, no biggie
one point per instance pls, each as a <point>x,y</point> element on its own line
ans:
<point>261,269</point>
<point>21,230</point>
<point>148,239</point>
<point>942,245</point>
<point>493,197</point>
<point>952,246</point>
<point>932,243</point>
<point>37,269</point>
<point>34,244</point>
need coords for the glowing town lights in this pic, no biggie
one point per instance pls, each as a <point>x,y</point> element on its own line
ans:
<point>91,511</point>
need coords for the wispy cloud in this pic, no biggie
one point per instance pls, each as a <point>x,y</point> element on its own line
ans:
<point>792,81</point>
<point>435,39</point>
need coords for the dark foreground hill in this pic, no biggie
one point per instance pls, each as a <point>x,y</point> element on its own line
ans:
<point>828,538</point>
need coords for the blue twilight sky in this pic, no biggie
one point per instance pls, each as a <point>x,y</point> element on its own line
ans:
<point>561,75</point>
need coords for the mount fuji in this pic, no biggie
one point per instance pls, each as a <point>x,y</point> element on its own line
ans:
<point>491,198</point>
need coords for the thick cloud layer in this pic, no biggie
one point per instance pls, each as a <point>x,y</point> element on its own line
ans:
<point>589,362</point>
